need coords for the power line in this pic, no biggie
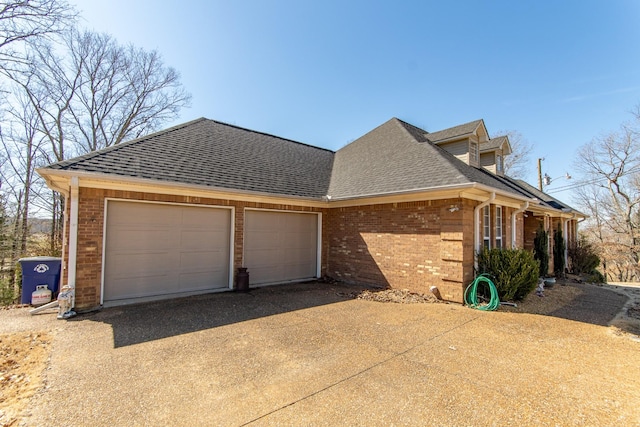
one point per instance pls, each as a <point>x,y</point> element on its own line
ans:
<point>589,181</point>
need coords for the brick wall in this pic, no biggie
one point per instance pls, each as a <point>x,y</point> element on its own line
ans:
<point>91,226</point>
<point>531,225</point>
<point>405,245</point>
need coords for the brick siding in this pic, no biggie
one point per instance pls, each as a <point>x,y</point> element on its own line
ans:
<point>405,245</point>
<point>402,245</point>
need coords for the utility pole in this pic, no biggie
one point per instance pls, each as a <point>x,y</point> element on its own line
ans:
<point>540,159</point>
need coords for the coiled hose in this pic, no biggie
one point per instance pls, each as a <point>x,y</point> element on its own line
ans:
<point>471,294</point>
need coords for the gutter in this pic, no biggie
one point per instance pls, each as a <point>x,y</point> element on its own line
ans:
<point>325,201</point>
<point>162,186</point>
<point>513,224</point>
<point>476,225</point>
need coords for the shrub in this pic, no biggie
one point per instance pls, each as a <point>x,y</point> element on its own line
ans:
<point>558,252</point>
<point>541,250</point>
<point>513,271</point>
<point>583,257</point>
<point>584,260</point>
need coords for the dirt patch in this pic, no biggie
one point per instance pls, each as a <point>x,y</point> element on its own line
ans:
<point>23,357</point>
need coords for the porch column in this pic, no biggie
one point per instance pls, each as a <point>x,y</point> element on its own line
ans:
<point>73,236</point>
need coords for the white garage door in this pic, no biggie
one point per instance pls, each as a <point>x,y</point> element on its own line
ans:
<point>280,246</point>
<point>156,249</point>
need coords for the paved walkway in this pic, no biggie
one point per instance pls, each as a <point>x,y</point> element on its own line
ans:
<point>306,355</point>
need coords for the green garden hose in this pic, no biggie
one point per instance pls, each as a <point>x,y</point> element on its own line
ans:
<point>471,294</point>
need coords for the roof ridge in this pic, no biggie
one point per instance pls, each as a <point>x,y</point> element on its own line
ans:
<point>477,123</point>
<point>270,135</point>
<point>404,126</point>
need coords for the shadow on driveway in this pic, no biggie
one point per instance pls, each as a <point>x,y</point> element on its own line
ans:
<point>593,304</point>
<point>139,323</point>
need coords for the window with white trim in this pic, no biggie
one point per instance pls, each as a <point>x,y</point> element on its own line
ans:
<point>499,163</point>
<point>473,152</point>
<point>499,227</point>
<point>486,226</point>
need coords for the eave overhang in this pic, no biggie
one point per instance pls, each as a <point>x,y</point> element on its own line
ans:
<point>59,180</point>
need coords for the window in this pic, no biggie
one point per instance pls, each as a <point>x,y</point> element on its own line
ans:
<point>499,163</point>
<point>486,226</point>
<point>499,227</point>
<point>473,152</point>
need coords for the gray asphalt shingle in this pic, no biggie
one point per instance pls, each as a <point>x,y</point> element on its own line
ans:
<point>396,157</point>
<point>393,158</point>
<point>493,144</point>
<point>210,153</point>
<point>453,132</point>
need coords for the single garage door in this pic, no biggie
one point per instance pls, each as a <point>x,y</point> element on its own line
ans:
<point>156,249</point>
<point>280,246</point>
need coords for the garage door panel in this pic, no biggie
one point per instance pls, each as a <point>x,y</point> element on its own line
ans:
<point>261,240</point>
<point>133,214</point>
<point>134,240</point>
<point>204,261</point>
<point>215,219</point>
<point>197,281</point>
<point>280,246</point>
<point>132,264</point>
<point>299,270</point>
<point>297,256</point>
<point>144,287</point>
<point>267,274</point>
<point>154,249</point>
<point>203,240</point>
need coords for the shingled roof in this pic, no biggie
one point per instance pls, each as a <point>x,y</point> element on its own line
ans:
<point>494,144</point>
<point>454,132</point>
<point>210,153</point>
<point>395,157</point>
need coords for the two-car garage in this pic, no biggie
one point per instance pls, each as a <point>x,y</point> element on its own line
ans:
<point>160,250</point>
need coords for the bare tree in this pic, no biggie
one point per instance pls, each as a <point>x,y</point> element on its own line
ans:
<point>124,93</point>
<point>22,141</point>
<point>611,164</point>
<point>84,94</point>
<point>516,164</point>
<point>99,93</point>
<point>24,20</point>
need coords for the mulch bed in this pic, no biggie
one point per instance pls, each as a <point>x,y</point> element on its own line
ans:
<point>400,296</point>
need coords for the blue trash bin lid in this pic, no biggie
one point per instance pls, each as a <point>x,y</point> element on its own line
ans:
<point>39,259</point>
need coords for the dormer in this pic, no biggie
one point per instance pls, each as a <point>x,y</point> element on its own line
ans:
<point>463,141</point>
<point>492,154</point>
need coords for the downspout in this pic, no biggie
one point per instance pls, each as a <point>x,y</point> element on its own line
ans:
<point>67,296</point>
<point>73,238</point>
<point>513,223</point>
<point>476,226</point>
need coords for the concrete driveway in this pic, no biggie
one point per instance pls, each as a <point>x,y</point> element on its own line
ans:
<point>307,355</point>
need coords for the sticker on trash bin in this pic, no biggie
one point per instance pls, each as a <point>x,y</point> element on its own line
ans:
<point>41,268</point>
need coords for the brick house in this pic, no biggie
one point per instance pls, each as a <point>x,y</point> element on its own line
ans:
<point>178,212</point>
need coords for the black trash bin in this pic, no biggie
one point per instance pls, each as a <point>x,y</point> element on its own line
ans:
<point>39,270</point>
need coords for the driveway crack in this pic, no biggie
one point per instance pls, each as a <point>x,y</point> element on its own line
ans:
<point>367,369</point>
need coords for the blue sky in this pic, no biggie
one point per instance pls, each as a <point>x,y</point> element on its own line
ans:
<point>326,72</point>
